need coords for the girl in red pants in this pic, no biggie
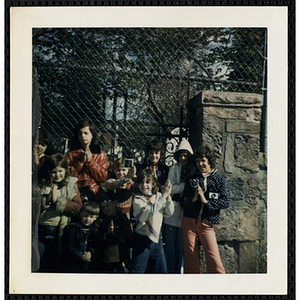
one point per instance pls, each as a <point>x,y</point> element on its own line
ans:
<point>205,194</point>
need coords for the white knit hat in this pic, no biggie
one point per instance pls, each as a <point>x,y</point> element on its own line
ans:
<point>184,145</point>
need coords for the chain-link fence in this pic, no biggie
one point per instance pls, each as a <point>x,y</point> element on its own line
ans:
<point>134,83</point>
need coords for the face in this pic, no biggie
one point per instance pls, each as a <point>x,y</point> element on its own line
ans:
<point>120,172</point>
<point>183,157</point>
<point>154,156</point>
<point>41,148</point>
<point>85,136</point>
<point>203,165</point>
<point>109,208</point>
<point>57,174</point>
<point>87,219</point>
<point>146,186</point>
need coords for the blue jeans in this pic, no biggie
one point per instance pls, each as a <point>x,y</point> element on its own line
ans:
<point>174,248</point>
<point>144,251</point>
<point>48,248</point>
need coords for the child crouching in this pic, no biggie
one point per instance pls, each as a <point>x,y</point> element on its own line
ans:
<point>149,208</point>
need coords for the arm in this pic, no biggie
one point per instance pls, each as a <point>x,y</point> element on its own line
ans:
<point>142,208</point>
<point>98,167</point>
<point>69,242</point>
<point>186,201</point>
<point>223,199</point>
<point>74,160</point>
<point>177,188</point>
<point>112,184</point>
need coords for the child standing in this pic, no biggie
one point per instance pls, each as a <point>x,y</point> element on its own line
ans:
<point>154,152</point>
<point>76,239</point>
<point>112,238</point>
<point>149,207</point>
<point>86,160</point>
<point>60,200</point>
<point>205,194</point>
<point>178,174</point>
<point>122,185</point>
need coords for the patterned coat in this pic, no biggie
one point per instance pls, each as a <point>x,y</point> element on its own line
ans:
<point>215,191</point>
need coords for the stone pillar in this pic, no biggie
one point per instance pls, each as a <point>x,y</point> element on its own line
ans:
<point>230,124</point>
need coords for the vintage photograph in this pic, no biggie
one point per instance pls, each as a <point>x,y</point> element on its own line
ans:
<point>150,156</point>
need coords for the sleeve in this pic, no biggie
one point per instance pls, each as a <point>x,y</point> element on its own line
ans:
<point>176,188</point>
<point>112,184</point>
<point>73,206</point>
<point>169,209</point>
<point>223,200</point>
<point>187,196</point>
<point>74,162</point>
<point>98,167</point>
<point>69,242</point>
<point>142,208</point>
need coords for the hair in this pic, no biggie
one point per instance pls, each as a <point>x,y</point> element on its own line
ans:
<point>205,151</point>
<point>119,163</point>
<point>91,207</point>
<point>176,155</point>
<point>148,174</point>
<point>106,196</point>
<point>50,163</point>
<point>46,139</point>
<point>155,145</point>
<point>75,143</point>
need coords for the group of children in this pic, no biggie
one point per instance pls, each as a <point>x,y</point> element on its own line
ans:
<point>146,219</point>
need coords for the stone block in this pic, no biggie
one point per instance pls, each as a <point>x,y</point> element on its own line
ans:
<point>243,127</point>
<point>229,161</point>
<point>246,152</point>
<point>236,188</point>
<point>248,257</point>
<point>237,224</point>
<point>228,98</point>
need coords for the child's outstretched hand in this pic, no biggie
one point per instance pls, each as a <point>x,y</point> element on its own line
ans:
<point>166,190</point>
<point>131,173</point>
<point>86,256</point>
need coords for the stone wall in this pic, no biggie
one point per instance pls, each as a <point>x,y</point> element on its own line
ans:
<point>230,124</point>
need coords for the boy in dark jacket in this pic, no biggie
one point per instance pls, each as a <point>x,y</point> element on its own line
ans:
<point>76,239</point>
<point>112,238</point>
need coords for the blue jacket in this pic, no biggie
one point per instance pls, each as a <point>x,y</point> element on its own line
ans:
<point>215,191</point>
<point>76,241</point>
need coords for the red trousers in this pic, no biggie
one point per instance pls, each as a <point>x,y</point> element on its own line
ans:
<point>204,231</point>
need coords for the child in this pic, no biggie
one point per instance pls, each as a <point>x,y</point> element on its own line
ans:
<point>154,151</point>
<point>78,251</point>
<point>43,149</point>
<point>149,207</point>
<point>60,199</point>
<point>87,161</point>
<point>112,238</point>
<point>205,194</point>
<point>122,185</point>
<point>178,174</point>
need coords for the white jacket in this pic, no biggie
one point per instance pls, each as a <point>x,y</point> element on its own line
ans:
<point>177,186</point>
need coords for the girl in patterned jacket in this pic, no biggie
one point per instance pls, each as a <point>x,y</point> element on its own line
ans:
<point>205,194</point>
<point>87,161</point>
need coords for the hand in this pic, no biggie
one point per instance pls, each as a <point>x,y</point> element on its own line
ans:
<point>87,155</point>
<point>166,190</point>
<point>131,173</point>
<point>35,155</point>
<point>154,171</point>
<point>53,194</point>
<point>86,256</point>
<point>198,191</point>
